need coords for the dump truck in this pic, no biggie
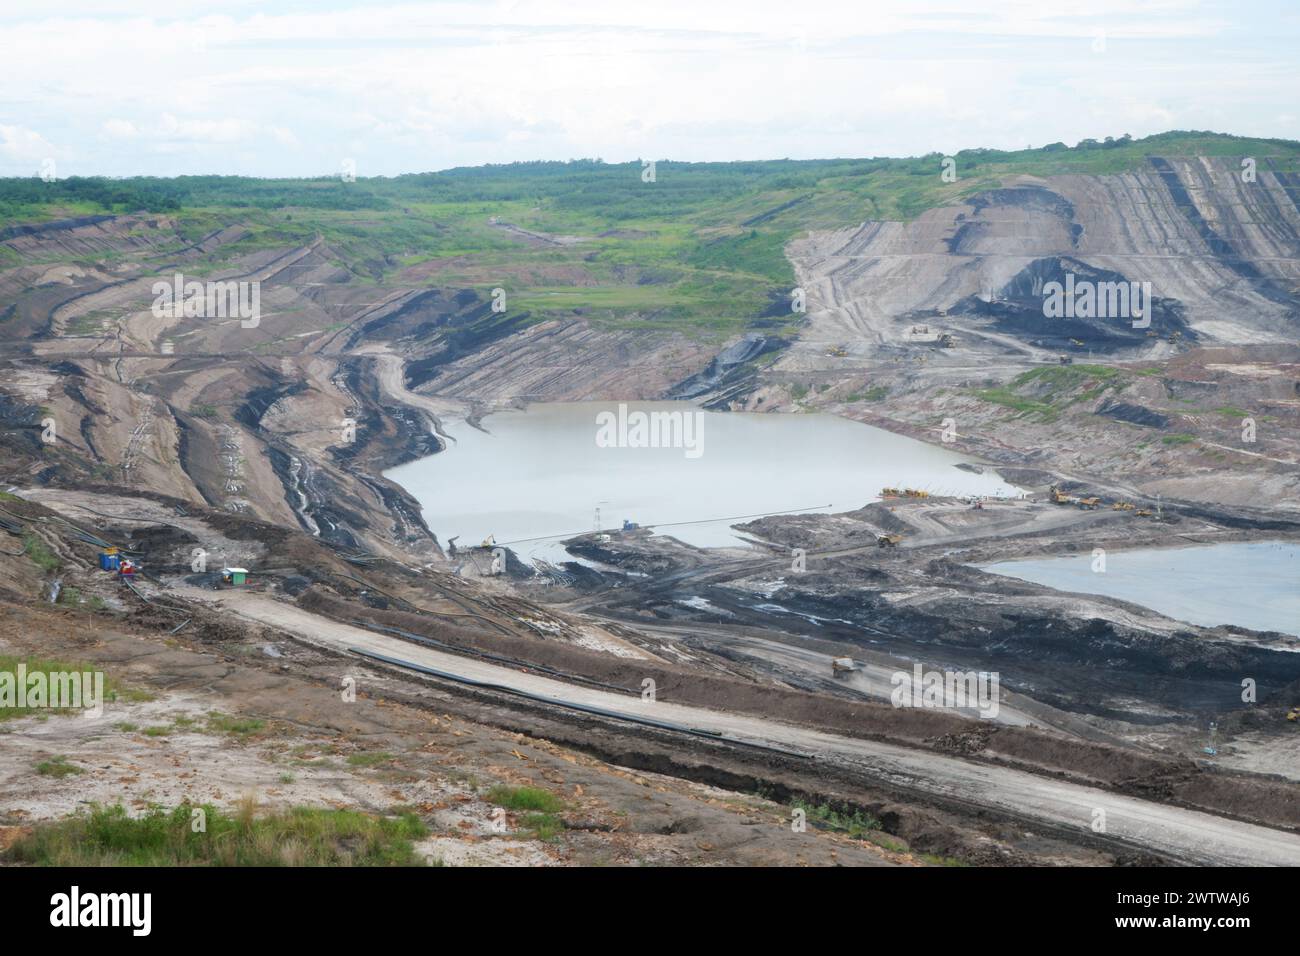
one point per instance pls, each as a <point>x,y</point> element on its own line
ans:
<point>1059,497</point>
<point>842,665</point>
<point>1092,504</point>
<point>888,540</point>
<point>1123,506</point>
<point>1065,360</point>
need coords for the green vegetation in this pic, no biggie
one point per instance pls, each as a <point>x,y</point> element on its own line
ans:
<point>542,822</point>
<point>700,249</point>
<point>57,767</point>
<point>542,826</point>
<point>1065,376</point>
<point>52,669</point>
<point>40,554</point>
<point>107,836</point>
<point>1232,412</point>
<point>1046,391</point>
<point>369,759</point>
<point>524,798</point>
<point>1182,439</point>
<point>876,393</point>
<point>240,728</point>
<point>1025,406</point>
<point>71,597</point>
<point>854,823</point>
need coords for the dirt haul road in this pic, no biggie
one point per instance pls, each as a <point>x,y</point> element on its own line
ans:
<point>1182,835</point>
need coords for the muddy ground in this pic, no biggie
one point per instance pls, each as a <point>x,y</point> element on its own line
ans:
<point>374,754</point>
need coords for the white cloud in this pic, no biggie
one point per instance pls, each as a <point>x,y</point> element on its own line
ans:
<point>24,145</point>
<point>120,129</point>
<point>270,88</point>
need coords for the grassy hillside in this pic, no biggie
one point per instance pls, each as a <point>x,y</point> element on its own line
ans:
<point>700,248</point>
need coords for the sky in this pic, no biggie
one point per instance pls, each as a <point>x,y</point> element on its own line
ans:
<point>296,88</point>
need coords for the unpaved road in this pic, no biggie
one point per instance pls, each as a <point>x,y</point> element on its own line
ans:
<point>1183,835</point>
<point>391,370</point>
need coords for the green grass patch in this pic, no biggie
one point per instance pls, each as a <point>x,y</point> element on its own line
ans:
<point>371,758</point>
<point>542,826</point>
<point>1182,439</point>
<point>853,823</point>
<point>877,393</point>
<point>57,767</point>
<point>241,728</point>
<point>1064,376</point>
<point>302,836</point>
<point>72,597</point>
<point>1046,391</point>
<point>52,669</point>
<point>525,798</point>
<point>1232,412</point>
<point>39,553</point>
<point>1025,406</point>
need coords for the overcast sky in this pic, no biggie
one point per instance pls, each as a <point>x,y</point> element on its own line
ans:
<point>119,87</point>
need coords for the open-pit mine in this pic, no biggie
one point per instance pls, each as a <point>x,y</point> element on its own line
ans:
<point>915,551</point>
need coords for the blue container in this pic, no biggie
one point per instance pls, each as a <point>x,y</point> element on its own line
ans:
<point>108,562</point>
